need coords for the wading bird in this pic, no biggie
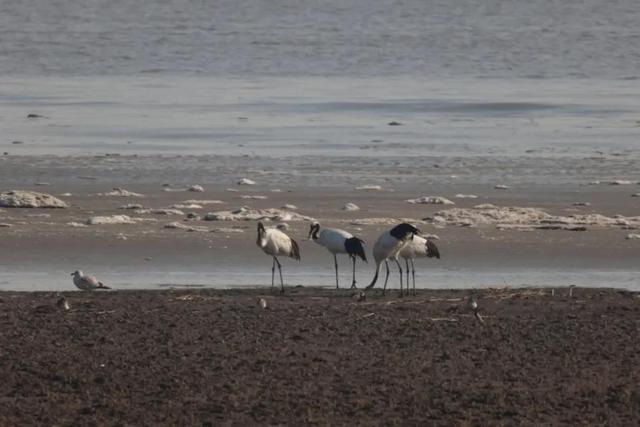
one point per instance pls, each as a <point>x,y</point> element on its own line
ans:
<point>274,242</point>
<point>388,247</point>
<point>87,283</point>
<point>418,247</point>
<point>339,242</point>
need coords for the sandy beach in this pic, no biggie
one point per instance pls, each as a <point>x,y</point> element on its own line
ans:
<point>564,234</point>
<point>313,356</point>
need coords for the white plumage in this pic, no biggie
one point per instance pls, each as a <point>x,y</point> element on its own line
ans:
<point>86,283</point>
<point>418,247</point>
<point>339,241</point>
<point>275,243</point>
<point>388,247</point>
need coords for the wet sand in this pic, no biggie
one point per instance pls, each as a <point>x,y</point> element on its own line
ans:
<point>40,247</point>
<point>205,357</point>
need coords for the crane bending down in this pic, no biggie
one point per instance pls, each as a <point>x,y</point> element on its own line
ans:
<point>339,242</point>
<point>418,247</point>
<point>388,247</point>
<point>275,243</point>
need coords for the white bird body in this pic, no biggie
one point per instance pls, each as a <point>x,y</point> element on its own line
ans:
<point>388,247</point>
<point>85,282</point>
<point>338,241</point>
<point>333,239</point>
<point>418,247</point>
<point>275,243</point>
<point>415,248</point>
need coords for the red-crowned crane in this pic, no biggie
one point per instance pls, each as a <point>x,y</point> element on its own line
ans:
<point>388,247</point>
<point>339,242</point>
<point>275,243</point>
<point>418,247</point>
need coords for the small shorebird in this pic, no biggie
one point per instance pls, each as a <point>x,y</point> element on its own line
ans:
<point>339,242</point>
<point>418,247</point>
<point>87,283</point>
<point>274,242</point>
<point>388,247</point>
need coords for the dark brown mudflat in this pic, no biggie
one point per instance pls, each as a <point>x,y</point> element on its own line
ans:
<point>320,357</point>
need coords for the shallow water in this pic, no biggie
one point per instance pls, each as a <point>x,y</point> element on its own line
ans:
<point>431,278</point>
<point>320,116</point>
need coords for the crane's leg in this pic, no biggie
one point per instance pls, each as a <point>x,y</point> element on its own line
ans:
<point>400,270</point>
<point>353,282</point>
<point>280,270</point>
<point>406,262</point>
<point>413,272</point>
<point>335,261</point>
<point>386,279</point>
<point>273,271</point>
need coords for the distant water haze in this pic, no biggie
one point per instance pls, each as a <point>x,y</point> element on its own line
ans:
<point>357,38</point>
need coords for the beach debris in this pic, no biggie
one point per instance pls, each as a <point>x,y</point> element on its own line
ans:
<point>383,221</point>
<point>290,207</point>
<point>633,236</point>
<point>193,216</point>
<point>501,187</point>
<point>131,206</point>
<point>29,199</point>
<point>227,230</point>
<point>519,218</point>
<point>120,192</point>
<point>350,207</point>
<point>571,288</point>
<point>262,303</point>
<point>247,214</point>
<point>116,219</point>
<point>38,215</point>
<point>86,282</point>
<point>186,206</point>
<point>465,196</point>
<point>581,204</point>
<point>369,187</point>
<point>201,202</point>
<point>246,181</point>
<point>276,190</point>
<point>196,188</point>
<point>34,116</point>
<point>620,182</point>
<point>394,123</point>
<point>5,225</point>
<point>65,195</point>
<point>232,190</point>
<point>42,184</point>
<point>430,200</point>
<point>180,226</point>
<point>17,142</point>
<point>63,304</point>
<point>121,236</point>
<point>159,211</point>
<point>253,197</point>
<point>76,224</point>
<point>553,292</point>
<point>635,195</point>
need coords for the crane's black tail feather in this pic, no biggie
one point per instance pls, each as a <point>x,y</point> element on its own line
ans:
<point>354,248</point>
<point>432,250</point>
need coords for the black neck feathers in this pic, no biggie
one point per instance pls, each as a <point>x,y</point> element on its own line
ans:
<point>403,231</point>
